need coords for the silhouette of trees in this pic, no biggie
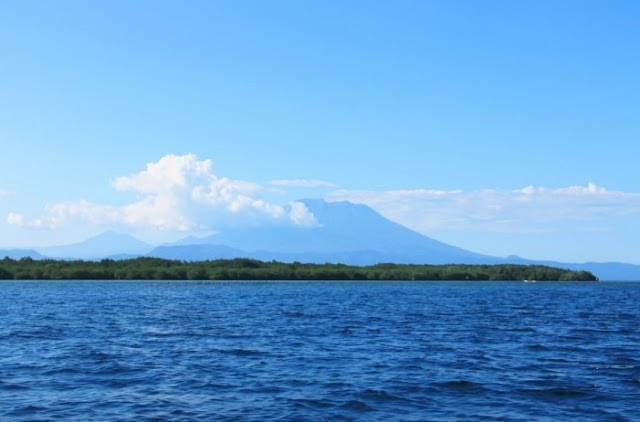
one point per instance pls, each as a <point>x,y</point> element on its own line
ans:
<point>251,269</point>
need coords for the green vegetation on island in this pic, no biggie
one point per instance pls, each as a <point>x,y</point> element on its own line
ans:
<point>251,269</point>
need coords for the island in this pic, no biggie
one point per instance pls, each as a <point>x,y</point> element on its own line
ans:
<point>146,268</point>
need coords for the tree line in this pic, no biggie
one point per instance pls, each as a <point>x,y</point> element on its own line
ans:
<point>250,269</point>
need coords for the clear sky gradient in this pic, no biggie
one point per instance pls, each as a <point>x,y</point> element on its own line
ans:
<point>504,127</point>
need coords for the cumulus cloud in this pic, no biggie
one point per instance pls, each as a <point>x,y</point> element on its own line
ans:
<point>178,192</point>
<point>498,210</point>
<point>300,215</point>
<point>170,173</point>
<point>303,183</point>
<point>15,219</point>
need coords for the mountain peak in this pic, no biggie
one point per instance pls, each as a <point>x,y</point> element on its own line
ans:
<point>102,245</point>
<point>343,215</point>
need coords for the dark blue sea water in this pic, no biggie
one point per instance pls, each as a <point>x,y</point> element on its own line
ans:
<point>174,351</point>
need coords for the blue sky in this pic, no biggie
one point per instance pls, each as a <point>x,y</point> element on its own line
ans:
<point>504,127</point>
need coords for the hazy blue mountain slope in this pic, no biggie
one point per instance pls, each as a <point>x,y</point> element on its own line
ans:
<point>347,232</point>
<point>20,253</point>
<point>610,271</point>
<point>103,245</point>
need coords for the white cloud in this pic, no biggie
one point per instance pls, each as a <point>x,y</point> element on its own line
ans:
<point>496,210</point>
<point>303,183</point>
<point>177,193</point>
<point>5,192</point>
<point>300,215</point>
<point>590,189</point>
<point>170,173</point>
<point>15,219</point>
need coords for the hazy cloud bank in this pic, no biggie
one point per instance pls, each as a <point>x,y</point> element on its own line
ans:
<point>529,209</point>
<point>175,193</point>
<point>303,183</point>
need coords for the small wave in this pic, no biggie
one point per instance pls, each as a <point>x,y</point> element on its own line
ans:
<point>356,405</point>
<point>556,360</point>
<point>558,392</point>
<point>313,403</point>
<point>114,368</point>
<point>596,331</point>
<point>62,371</point>
<point>11,386</point>
<point>523,330</point>
<point>99,356</point>
<point>462,385</point>
<point>26,410</point>
<point>243,352</point>
<point>346,331</point>
<point>159,332</point>
<point>379,395</point>
<point>295,314</point>
<point>41,333</point>
<point>538,346</point>
<point>633,381</point>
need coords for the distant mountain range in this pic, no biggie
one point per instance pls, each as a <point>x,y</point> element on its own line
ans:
<point>346,233</point>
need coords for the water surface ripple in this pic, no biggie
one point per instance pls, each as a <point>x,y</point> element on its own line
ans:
<point>174,351</point>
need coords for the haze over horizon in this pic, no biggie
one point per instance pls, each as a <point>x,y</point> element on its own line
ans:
<point>499,127</point>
